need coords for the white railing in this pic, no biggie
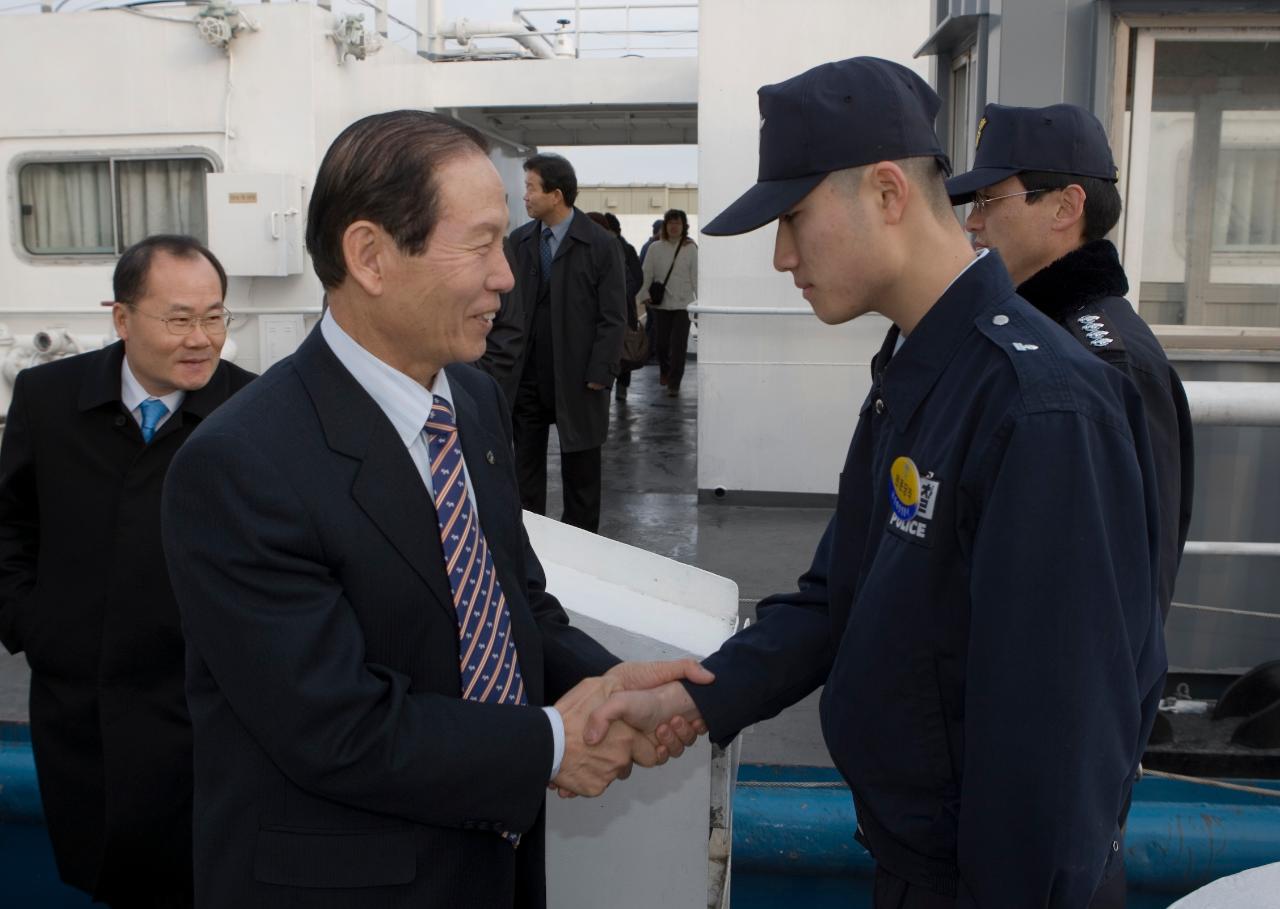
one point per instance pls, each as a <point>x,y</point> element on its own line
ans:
<point>574,26</point>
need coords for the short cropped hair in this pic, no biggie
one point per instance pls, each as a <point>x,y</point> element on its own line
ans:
<point>383,169</point>
<point>614,224</point>
<point>1101,198</point>
<point>927,173</point>
<point>129,283</point>
<point>556,173</point>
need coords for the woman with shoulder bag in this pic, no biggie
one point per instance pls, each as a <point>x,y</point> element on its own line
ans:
<point>669,285</point>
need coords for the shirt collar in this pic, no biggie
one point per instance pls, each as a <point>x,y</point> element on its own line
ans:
<point>133,394</point>
<point>406,403</point>
<point>558,231</point>
<point>907,375</point>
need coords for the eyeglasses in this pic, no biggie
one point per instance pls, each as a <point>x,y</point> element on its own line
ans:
<point>980,203</point>
<point>215,324</point>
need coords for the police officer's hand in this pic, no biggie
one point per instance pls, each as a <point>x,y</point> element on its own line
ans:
<point>666,712</point>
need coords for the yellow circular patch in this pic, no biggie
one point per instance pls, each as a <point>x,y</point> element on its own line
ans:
<point>904,488</point>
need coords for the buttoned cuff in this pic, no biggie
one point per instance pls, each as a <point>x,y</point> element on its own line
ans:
<point>557,737</point>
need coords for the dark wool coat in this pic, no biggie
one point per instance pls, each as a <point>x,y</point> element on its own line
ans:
<point>84,591</point>
<point>588,322</point>
<point>1084,292</point>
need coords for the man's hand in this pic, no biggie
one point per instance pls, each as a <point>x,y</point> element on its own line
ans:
<point>676,732</point>
<point>589,769</point>
<point>595,386</point>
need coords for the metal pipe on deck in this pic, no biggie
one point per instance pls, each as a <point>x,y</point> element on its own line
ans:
<point>1234,403</point>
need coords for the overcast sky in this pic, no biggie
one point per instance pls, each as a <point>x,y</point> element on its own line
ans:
<point>618,164</point>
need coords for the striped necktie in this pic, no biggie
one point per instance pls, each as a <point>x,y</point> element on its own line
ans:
<point>489,669</point>
<point>488,665</point>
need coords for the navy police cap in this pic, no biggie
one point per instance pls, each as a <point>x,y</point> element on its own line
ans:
<point>1060,139</point>
<point>835,116</point>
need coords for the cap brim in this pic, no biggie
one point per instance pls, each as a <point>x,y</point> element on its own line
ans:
<point>761,204</point>
<point>962,188</point>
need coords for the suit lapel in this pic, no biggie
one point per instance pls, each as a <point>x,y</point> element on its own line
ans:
<point>481,450</point>
<point>387,485</point>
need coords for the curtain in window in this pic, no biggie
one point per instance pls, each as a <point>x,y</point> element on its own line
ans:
<point>66,207</point>
<point>1247,215</point>
<point>161,197</point>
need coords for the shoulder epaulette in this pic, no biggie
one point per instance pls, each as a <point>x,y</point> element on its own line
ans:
<point>1089,326</point>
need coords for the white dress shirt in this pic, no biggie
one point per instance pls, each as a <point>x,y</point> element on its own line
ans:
<point>407,405</point>
<point>132,394</point>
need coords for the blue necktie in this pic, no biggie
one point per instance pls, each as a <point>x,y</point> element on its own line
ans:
<point>547,236</point>
<point>488,665</point>
<point>153,411</point>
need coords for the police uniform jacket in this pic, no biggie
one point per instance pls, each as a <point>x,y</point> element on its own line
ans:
<point>981,608</point>
<point>84,591</point>
<point>1084,292</point>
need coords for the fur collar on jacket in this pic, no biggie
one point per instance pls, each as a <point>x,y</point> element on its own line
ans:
<point>1085,274</point>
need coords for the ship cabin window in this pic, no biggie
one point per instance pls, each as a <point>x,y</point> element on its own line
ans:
<point>1203,182</point>
<point>100,207</point>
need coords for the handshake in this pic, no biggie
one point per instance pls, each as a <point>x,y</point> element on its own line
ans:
<point>636,713</point>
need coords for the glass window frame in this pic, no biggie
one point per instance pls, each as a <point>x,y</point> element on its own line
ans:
<point>962,135</point>
<point>1137,69</point>
<point>111,156</point>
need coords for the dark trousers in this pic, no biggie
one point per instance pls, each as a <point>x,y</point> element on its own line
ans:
<point>579,470</point>
<point>145,900</point>
<point>673,343</point>
<point>892,892</point>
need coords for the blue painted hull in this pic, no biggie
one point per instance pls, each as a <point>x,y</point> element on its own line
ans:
<point>792,838</point>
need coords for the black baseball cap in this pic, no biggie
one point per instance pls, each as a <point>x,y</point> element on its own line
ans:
<point>1061,139</point>
<point>835,116</point>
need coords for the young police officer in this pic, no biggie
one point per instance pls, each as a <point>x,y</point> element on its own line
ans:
<point>1043,189</point>
<point>982,607</point>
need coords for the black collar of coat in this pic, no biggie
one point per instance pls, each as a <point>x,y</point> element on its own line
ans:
<point>1084,274</point>
<point>580,228</point>
<point>101,385</point>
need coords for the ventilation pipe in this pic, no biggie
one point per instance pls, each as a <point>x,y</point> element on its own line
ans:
<point>431,43</point>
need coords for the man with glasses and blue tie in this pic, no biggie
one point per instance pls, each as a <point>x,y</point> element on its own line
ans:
<point>83,585</point>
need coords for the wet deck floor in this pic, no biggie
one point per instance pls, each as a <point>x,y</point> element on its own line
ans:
<point>651,501</point>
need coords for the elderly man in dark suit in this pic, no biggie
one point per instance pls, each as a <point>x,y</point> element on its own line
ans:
<point>571,284</point>
<point>83,588</point>
<point>369,634</point>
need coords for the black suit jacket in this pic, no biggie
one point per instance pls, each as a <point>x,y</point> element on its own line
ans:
<point>83,590</point>
<point>588,321</point>
<point>335,763</point>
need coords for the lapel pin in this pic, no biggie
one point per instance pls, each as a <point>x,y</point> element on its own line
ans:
<point>488,456</point>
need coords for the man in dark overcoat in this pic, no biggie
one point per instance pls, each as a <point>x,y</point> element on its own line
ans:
<point>83,585</point>
<point>571,283</point>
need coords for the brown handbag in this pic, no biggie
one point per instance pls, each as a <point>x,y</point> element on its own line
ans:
<point>635,347</point>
